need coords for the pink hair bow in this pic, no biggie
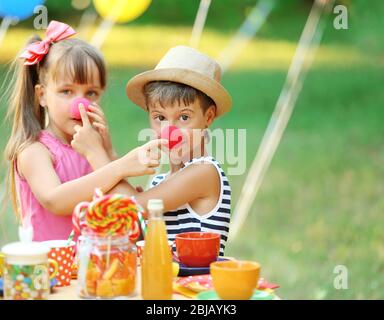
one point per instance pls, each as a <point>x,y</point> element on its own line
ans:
<point>36,51</point>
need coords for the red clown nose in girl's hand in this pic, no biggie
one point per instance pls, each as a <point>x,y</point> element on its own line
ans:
<point>75,112</point>
<point>173,134</point>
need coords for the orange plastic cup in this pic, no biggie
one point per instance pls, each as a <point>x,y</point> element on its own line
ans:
<point>235,280</point>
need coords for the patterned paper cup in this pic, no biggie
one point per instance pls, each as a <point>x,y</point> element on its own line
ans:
<point>64,255</point>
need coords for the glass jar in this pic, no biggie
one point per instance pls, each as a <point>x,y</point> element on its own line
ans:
<point>107,266</point>
<point>26,271</point>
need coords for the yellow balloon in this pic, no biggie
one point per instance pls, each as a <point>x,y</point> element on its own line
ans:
<point>121,11</point>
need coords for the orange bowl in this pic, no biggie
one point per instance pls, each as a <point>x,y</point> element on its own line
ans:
<point>235,280</point>
<point>197,249</point>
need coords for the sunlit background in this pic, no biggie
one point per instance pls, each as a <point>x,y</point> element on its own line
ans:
<point>321,202</point>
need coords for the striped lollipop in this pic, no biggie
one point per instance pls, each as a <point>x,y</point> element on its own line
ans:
<point>78,217</point>
<point>108,215</point>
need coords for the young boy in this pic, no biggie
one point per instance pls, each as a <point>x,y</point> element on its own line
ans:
<point>184,91</point>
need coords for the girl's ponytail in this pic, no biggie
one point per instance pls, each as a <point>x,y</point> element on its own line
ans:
<point>26,115</point>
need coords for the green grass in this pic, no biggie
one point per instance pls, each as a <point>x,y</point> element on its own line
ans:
<point>321,202</point>
<point>322,194</point>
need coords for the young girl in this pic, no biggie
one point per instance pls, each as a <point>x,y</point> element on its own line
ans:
<point>46,175</point>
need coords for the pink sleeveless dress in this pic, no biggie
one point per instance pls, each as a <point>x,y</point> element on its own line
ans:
<point>69,165</point>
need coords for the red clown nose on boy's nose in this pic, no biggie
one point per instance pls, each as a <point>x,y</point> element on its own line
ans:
<point>173,134</point>
<point>75,112</point>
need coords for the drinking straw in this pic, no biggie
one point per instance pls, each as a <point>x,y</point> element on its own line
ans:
<point>70,238</point>
<point>140,216</point>
<point>108,251</point>
<point>25,233</point>
<point>142,223</point>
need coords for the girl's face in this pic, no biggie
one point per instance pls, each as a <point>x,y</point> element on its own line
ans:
<point>57,96</point>
<point>190,119</point>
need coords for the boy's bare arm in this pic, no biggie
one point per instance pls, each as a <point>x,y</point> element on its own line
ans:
<point>195,182</point>
<point>102,159</point>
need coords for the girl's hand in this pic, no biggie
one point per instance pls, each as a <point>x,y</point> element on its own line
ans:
<point>87,141</point>
<point>99,121</point>
<point>143,160</point>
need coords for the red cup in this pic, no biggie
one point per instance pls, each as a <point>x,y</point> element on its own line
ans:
<point>197,249</point>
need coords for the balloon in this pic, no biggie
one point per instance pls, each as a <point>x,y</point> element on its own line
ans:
<point>121,10</point>
<point>20,9</point>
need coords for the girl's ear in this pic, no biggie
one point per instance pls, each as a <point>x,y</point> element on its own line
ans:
<point>210,115</point>
<point>40,94</point>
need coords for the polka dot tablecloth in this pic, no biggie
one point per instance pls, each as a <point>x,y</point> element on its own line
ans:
<point>64,257</point>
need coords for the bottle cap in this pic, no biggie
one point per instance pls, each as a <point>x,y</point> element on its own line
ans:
<point>155,204</point>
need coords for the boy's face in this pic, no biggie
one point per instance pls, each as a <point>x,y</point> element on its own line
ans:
<point>189,118</point>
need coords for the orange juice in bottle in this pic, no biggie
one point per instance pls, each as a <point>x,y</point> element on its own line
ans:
<point>156,272</point>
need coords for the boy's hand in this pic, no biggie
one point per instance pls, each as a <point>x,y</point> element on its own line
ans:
<point>144,159</point>
<point>87,141</point>
<point>99,121</point>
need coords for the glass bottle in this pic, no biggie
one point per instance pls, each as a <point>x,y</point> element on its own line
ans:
<point>156,280</point>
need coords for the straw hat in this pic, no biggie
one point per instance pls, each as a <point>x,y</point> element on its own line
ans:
<point>188,66</point>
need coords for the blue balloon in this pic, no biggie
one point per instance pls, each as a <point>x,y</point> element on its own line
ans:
<point>20,9</point>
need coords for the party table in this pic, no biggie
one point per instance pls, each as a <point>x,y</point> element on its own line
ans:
<point>181,291</point>
<point>70,292</point>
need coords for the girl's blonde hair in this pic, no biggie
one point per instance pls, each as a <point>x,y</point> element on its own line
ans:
<point>71,58</point>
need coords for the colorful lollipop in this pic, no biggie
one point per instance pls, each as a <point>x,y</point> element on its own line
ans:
<point>173,134</point>
<point>108,215</point>
<point>75,112</point>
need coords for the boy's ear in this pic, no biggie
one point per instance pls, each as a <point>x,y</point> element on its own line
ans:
<point>40,94</point>
<point>210,115</point>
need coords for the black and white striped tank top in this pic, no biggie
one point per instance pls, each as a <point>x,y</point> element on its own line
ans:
<point>185,219</point>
